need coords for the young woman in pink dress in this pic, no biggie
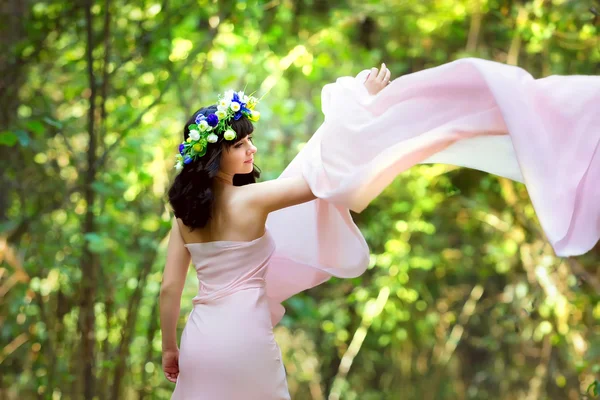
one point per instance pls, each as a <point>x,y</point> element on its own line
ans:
<point>227,348</point>
<point>256,244</point>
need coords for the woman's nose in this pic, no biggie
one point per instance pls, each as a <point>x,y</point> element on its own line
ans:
<point>253,149</point>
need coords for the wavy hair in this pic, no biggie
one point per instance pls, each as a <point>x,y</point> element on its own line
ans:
<point>191,194</point>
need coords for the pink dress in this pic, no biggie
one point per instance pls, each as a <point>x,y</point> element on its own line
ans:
<point>227,348</point>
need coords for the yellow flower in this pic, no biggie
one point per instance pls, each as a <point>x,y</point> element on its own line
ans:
<point>197,147</point>
<point>251,103</point>
<point>189,140</point>
<point>254,117</point>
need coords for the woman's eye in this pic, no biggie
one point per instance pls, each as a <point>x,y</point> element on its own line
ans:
<point>238,145</point>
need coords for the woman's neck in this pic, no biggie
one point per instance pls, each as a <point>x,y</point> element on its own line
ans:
<point>224,178</point>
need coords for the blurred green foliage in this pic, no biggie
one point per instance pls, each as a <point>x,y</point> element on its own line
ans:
<point>464,299</point>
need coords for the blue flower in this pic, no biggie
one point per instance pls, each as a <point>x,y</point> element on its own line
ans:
<point>181,148</point>
<point>212,120</point>
<point>236,97</point>
<point>199,118</point>
<point>237,115</point>
<point>187,160</point>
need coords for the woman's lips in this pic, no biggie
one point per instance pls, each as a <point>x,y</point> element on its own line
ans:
<point>248,161</point>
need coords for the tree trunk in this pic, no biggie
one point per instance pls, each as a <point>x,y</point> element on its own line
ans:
<point>89,261</point>
<point>515,45</point>
<point>106,348</point>
<point>475,27</point>
<point>12,17</point>
<point>150,333</point>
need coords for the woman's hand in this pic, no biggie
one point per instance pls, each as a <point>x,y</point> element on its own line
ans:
<point>377,79</point>
<point>170,364</point>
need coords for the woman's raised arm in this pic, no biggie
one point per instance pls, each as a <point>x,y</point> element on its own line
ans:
<point>276,194</point>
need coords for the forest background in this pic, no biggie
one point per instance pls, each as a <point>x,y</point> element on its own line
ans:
<point>463,299</point>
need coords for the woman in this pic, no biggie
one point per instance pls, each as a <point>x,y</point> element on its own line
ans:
<point>473,113</point>
<point>228,350</point>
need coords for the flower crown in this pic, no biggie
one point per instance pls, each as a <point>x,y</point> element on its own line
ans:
<point>208,129</point>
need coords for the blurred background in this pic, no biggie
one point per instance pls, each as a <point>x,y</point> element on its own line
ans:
<point>464,298</point>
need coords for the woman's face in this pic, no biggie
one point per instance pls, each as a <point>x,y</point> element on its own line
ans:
<point>239,158</point>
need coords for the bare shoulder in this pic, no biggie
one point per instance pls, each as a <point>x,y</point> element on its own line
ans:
<point>276,194</point>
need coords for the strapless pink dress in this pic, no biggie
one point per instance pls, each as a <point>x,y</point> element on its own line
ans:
<point>227,348</point>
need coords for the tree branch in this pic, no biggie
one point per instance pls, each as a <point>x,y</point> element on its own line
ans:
<point>135,298</point>
<point>576,267</point>
<point>104,90</point>
<point>370,313</point>
<point>141,38</point>
<point>580,271</point>
<point>206,45</point>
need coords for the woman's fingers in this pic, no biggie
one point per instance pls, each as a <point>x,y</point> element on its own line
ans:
<point>382,71</point>
<point>171,377</point>
<point>373,74</point>
<point>378,79</point>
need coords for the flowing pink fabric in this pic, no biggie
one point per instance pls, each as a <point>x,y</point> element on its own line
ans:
<point>473,113</point>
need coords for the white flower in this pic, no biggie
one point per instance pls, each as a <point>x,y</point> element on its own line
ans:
<point>203,125</point>
<point>178,166</point>
<point>245,99</point>
<point>240,94</point>
<point>221,114</point>
<point>223,104</point>
<point>209,128</point>
<point>194,134</point>
<point>229,134</point>
<point>228,95</point>
<point>212,138</point>
<point>235,106</point>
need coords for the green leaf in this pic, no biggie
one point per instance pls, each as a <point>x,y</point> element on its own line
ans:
<point>145,178</point>
<point>36,127</point>
<point>101,187</point>
<point>98,243</point>
<point>52,122</point>
<point>92,237</point>
<point>8,138</point>
<point>23,136</point>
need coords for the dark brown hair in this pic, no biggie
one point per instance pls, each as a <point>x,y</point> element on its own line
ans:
<point>191,195</point>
